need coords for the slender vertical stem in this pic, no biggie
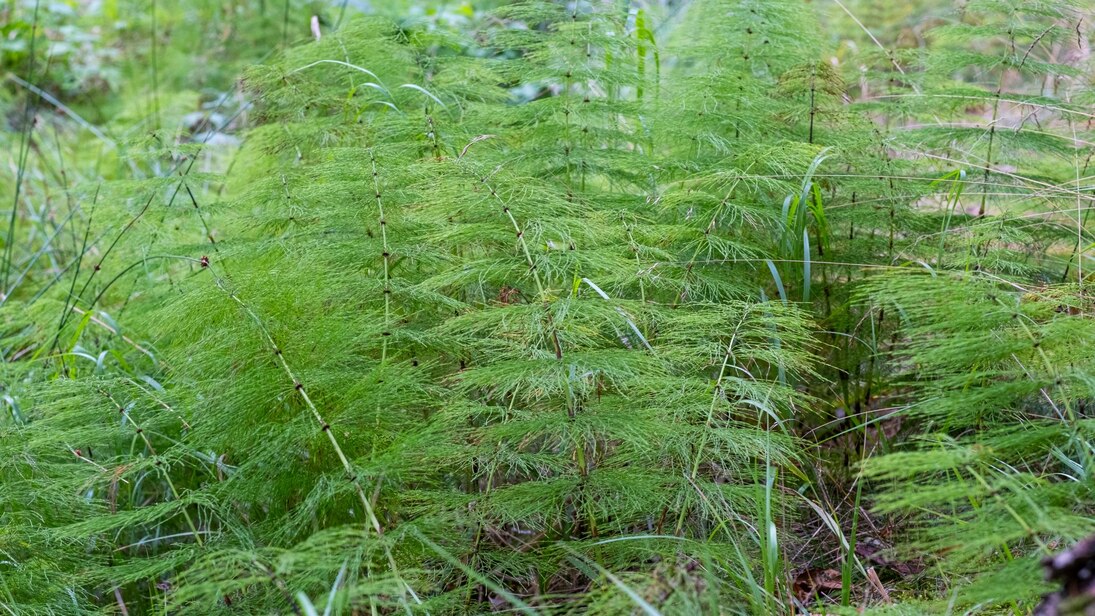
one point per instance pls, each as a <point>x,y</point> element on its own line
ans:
<point>285,24</point>
<point>694,471</point>
<point>988,156</point>
<point>155,69</point>
<point>813,108</point>
<point>24,152</point>
<point>387,255</point>
<point>351,474</point>
<point>520,239</point>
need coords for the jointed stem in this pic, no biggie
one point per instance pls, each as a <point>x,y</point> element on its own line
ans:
<point>326,427</point>
<point>387,261</point>
<point>139,430</point>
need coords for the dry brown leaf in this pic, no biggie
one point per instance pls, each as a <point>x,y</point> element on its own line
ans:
<point>872,577</point>
<point>816,580</point>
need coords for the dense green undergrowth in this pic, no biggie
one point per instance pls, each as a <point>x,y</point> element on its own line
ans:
<point>595,307</point>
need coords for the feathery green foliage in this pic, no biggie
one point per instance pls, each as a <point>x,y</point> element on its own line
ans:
<point>583,307</point>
